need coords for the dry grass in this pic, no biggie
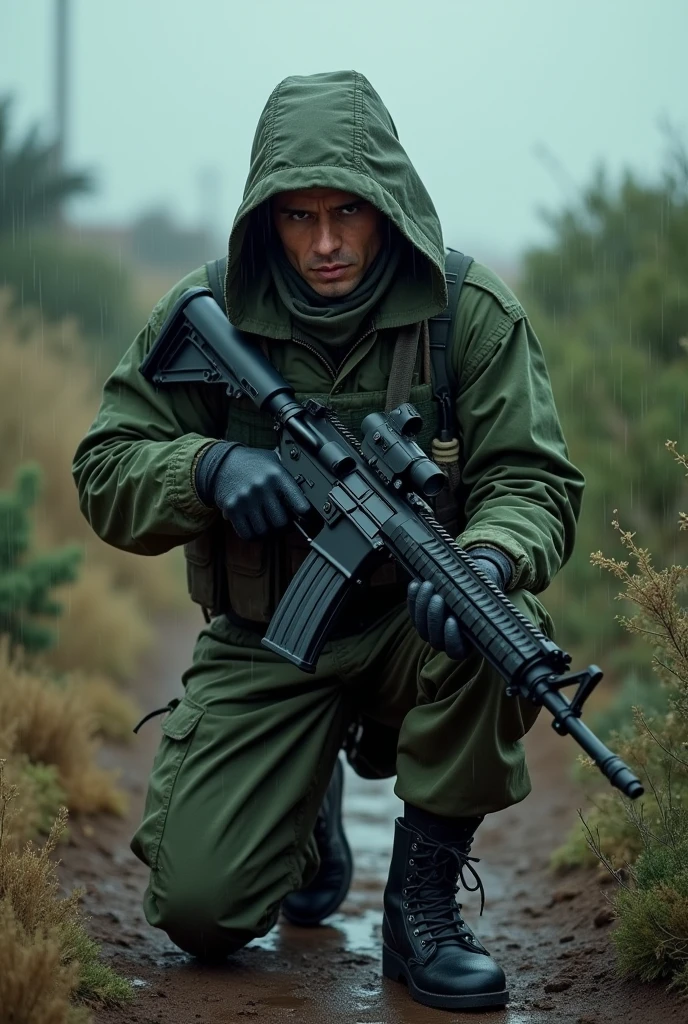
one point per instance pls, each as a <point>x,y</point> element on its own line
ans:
<point>46,959</point>
<point>39,797</point>
<point>114,713</point>
<point>35,987</point>
<point>51,724</point>
<point>48,398</point>
<point>102,630</point>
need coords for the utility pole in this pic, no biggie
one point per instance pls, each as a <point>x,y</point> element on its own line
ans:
<point>61,86</point>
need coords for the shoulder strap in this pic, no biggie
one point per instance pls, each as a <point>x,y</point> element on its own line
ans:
<point>403,365</point>
<point>216,275</point>
<point>444,381</point>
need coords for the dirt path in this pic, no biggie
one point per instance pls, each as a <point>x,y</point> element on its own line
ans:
<point>547,933</point>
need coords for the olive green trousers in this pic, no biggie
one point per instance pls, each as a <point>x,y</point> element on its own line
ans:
<point>246,756</point>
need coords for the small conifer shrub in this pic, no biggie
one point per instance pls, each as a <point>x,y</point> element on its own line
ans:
<point>27,582</point>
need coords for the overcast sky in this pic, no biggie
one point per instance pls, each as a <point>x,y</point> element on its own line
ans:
<point>166,94</point>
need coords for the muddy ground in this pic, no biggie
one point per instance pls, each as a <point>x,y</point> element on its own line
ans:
<point>551,934</point>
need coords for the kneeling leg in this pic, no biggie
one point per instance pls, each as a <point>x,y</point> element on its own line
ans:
<point>241,771</point>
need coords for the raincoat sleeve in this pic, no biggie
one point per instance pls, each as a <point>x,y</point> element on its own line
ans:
<point>134,468</point>
<point>521,493</point>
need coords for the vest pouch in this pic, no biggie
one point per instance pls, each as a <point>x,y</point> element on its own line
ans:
<point>252,574</point>
<point>203,581</point>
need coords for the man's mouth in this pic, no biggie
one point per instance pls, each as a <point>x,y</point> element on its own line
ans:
<point>333,272</point>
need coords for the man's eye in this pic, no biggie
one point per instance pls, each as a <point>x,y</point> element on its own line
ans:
<point>349,210</point>
<point>298,215</point>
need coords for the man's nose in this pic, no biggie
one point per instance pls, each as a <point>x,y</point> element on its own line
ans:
<point>327,239</point>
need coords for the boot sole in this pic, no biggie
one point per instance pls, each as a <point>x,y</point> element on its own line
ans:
<point>312,922</point>
<point>394,968</point>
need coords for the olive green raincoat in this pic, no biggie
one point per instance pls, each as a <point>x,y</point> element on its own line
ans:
<point>521,493</point>
<point>247,754</point>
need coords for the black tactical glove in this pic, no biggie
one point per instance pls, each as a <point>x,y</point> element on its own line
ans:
<point>431,616</point>
<point>250,487</point>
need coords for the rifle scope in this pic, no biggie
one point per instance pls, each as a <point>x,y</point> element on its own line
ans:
<point>391,451</point>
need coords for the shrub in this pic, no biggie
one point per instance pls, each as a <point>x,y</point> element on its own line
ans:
<point>649,839</point>
<point>103,629</point>
<point>26,584</point>
<point>112,712</point>
<point>47,962</point>
<point>47,403</point>
<point>608,298</point>
<point>53,725</point>
<point>66,278</point>
<point>39,797</point>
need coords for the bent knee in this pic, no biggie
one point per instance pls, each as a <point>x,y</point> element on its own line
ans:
<point>208,924</point>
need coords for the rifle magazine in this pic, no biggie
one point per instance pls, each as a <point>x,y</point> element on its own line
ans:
<point>303,618</point>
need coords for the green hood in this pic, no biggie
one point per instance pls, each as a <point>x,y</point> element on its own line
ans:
<point>332,130</point>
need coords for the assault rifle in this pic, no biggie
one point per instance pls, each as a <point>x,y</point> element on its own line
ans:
<point>370,500</point>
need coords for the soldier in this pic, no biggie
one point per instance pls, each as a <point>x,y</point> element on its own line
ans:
<point>335,264</point>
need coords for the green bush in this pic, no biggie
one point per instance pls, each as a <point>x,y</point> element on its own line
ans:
<point>617,719</point>
<point>40,264</point>
<point>47,793</point>
<point>652,935</point>
<point>649,838</point>
<point>34,188</point>
<point>64,278</point>
<point>27,582</point>
<point>619,261</point>
<point>608,297</point>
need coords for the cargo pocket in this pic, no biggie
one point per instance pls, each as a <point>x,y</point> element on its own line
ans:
<point>178,728</point>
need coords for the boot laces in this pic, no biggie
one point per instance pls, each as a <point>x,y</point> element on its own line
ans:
<point>431,890</point>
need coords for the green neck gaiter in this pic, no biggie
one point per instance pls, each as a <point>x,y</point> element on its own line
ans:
<point>333,322</point>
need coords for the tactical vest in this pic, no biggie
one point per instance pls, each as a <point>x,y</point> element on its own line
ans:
<point>245,580</point>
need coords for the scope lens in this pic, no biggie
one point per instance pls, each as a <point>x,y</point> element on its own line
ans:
<point>426,478</point>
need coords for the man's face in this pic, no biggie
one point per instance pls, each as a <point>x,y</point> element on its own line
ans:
<point>330,237</point>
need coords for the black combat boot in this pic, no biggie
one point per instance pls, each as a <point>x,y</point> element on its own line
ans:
<point>328,889</point>
<point>425,940</point>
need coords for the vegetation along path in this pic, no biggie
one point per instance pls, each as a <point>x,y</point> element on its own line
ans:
<point>550,933</point>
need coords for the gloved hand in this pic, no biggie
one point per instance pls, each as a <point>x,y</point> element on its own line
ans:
<point>250,487</point>
<point>431,616</point>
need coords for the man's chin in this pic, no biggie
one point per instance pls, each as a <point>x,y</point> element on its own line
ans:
<point>333,289</point>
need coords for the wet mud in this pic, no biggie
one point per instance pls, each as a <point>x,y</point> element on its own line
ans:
<point>550,933</point>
